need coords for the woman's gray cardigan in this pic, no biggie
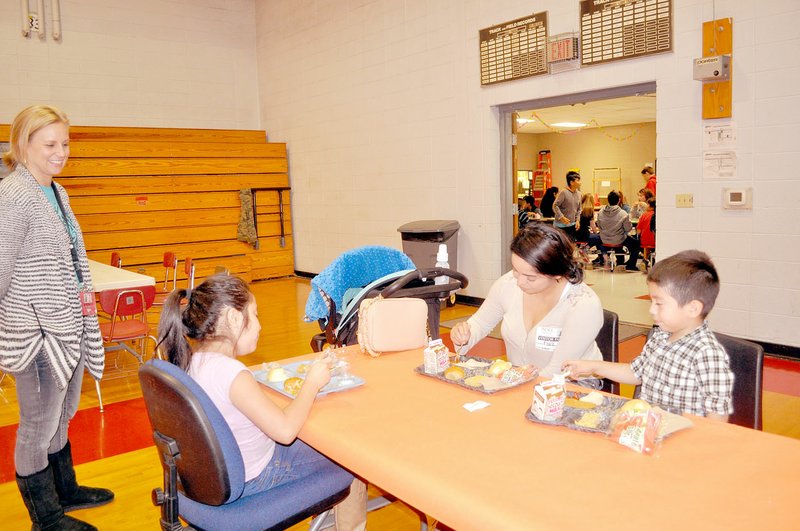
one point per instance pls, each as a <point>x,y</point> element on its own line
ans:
<point>40,313</point>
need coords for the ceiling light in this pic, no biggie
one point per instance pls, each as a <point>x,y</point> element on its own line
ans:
<point>522,121</point>
<point>569,124</point>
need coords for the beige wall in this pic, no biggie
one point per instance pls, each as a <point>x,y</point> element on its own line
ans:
<point>593,148</point>
<point>182,63</point>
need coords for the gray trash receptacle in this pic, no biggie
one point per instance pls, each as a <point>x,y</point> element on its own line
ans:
<point>421,241</point>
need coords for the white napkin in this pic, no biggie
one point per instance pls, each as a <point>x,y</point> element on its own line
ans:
<point>475,406</point>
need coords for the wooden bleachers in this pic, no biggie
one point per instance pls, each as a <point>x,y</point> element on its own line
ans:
<point>144,191</point>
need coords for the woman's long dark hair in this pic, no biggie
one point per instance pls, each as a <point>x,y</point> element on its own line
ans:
<point>197,319</point>
<point>548,250</point>
<point>546,205</point>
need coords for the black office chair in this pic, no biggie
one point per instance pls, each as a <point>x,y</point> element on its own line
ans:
<point>204,471</point>
<point>608,342</point>
<point>747,365</point>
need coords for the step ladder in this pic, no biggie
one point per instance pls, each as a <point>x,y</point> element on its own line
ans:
<point>542,176</point>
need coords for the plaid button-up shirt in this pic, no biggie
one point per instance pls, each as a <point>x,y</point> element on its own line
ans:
<point>691,375</point>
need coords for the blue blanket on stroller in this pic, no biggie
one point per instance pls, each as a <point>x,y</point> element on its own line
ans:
<point>352,269</point>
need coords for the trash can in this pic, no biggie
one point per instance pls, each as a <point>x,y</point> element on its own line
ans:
<point>421,241</point>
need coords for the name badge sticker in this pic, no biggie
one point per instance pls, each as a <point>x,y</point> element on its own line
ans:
<point>88,304</point>
<point>547,338</point>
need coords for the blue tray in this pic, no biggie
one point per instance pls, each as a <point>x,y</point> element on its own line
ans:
<point>337,383</point>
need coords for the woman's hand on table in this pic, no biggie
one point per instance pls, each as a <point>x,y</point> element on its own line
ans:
<point>460,334</point>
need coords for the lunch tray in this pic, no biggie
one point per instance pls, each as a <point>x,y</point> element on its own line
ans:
<point>571,415</point>
<point>670,422</point>
<point>475,372</point>
<point>337,383</point>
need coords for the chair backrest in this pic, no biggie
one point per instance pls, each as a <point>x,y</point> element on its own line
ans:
<point>747,364</point>
<point>127,301</point>
<point>188,267</point>
<point>210,465</point>
<point>608,342</point>
<point>170,266</point>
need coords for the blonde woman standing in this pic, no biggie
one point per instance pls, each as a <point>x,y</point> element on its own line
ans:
<point>48,332</point>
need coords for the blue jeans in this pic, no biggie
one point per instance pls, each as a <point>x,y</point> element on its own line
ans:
<point>288,463</point>
<point>44,414</point>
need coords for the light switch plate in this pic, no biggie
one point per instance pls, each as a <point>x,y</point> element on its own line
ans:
<point>684,200</point>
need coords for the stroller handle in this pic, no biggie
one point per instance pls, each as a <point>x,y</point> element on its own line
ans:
<point>419,274</point>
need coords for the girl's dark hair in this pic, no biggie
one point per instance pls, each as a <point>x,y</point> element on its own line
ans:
<point>197,319</point>
<point>548,250</point>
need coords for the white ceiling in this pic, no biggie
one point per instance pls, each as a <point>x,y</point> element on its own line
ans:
<point>618,111</point>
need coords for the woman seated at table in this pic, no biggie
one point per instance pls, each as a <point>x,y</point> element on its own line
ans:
<point>548,314</point>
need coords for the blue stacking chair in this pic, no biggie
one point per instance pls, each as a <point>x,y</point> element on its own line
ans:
<point>204,471</point>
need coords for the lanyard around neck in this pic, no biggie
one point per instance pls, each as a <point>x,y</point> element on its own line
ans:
<point>72,249</point>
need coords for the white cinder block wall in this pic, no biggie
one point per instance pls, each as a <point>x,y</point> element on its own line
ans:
<point>153,63</point>
<point>381,105</point>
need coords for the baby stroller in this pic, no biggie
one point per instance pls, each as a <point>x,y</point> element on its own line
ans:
<point>362,273</point>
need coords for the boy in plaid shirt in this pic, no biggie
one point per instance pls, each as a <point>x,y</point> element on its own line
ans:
<point>682,368</point>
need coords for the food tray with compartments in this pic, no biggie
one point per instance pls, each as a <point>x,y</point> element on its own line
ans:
<point>296,369</point>
<point>598,419</point>
<point>480,371</point>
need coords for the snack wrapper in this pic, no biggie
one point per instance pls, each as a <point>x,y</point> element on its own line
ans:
<point>638,430</point>
<point>516,374</point>
<point>436,357</point>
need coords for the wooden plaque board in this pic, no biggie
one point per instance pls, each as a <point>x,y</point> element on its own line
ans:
<point>514,50</point>
<point>620,29</point>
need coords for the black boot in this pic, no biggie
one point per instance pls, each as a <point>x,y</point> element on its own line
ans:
<point>40,497</point>
<point>70,494</point>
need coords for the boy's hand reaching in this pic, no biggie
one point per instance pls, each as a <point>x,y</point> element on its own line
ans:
<point>578,368</point>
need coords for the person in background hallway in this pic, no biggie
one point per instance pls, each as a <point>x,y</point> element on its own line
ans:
<point>646,230</point>
<point>567,206</point>
<point>615,227</point>
<point>48,330</point>
<point>220,317</point>
<point>640,207</point>
<point>649,174</point>
<point>546,204</point>
<point>623,204</point>
<point>548,313</point>
<point>529,211</point>
<point>586,233</point>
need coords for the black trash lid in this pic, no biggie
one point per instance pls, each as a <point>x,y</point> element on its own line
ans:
<point>430,225</point>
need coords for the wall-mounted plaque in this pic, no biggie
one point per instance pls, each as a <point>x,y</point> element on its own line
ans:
<point>514,50</point>
<point>621,29</point>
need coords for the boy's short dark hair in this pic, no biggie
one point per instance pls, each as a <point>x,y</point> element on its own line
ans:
<point>572,176</point>
<point>651,202</point>
<point>613,198</point>
<point>688,276</point>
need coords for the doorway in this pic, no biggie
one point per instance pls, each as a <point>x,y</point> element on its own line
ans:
<point>606,135</point>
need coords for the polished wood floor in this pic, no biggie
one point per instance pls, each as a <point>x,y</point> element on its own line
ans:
<point>115,449</point>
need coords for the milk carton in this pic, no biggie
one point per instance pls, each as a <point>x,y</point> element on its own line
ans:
<point>436,357</point>
<point>548,399</point>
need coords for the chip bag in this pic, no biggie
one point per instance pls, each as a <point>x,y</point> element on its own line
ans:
<point>637,429</point>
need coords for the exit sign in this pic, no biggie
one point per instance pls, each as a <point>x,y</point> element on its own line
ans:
<point>562,49</point>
